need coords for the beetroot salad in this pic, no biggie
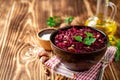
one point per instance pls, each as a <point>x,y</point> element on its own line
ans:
<point>80,40</point>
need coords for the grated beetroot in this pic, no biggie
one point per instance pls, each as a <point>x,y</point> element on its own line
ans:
<point>66,41</point>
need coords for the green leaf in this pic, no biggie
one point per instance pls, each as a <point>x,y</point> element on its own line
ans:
<point>55,17</point>
<point>117,55</point>
<point>68,19</point>
<point>113,38</point>
<point>53,21</point>
<point>118,44</point>
<point>78,38</point>
<point>92,40</point>
<point>50,19</point>
<point>109,44</point>
<point>71,18</point>
<point>89,34</point>
<point>86,41</point>
<point>89,41</point>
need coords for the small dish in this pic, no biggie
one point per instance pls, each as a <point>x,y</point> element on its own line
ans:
<point>44,38</point>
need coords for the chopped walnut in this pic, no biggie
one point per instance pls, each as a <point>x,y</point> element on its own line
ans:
<point>72,45</point>
<point>97,36</point>
<point>70,48</point>
<point>65,41</point>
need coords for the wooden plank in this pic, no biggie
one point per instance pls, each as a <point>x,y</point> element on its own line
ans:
<point>20,21</point>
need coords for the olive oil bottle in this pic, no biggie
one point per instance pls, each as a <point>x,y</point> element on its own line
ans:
<point>101,20</point>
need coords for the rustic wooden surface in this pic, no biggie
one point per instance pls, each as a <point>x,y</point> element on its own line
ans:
<point>21,20</point>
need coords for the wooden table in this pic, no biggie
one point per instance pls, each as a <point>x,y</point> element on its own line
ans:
<point>21,20</point>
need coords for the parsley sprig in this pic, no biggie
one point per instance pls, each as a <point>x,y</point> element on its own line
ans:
<point>89,34</point>
<point>88,40</point>
<point>56,20</point>
<point>78,38</point>
<point>53,21</point>
<point>68,20</point>
<point>114,41</point>
<point>117,55</point>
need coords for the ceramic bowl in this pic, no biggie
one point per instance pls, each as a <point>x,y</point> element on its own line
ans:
<point>78,61</point>
<point>44,38</point>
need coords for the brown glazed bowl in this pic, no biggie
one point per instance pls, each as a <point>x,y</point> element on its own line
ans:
<point>77,61</point>
<point>43,42</point>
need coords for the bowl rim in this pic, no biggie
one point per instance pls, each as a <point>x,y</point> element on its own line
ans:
<point>42,30</point>
<point>85,53</point>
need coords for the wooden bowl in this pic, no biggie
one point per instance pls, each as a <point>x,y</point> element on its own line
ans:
<point>78,61</point>
<point>45,41</point>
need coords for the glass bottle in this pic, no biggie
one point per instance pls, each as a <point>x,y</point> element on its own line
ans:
<point>101,20</point>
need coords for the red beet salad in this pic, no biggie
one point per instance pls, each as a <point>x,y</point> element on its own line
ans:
<point>80,40</point>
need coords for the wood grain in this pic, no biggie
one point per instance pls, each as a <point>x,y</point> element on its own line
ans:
<point>21,20</point>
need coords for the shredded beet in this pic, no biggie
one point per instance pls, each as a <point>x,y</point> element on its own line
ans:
<point>66,41</point>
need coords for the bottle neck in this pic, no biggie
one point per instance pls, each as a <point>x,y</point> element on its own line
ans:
<point>101,9</point>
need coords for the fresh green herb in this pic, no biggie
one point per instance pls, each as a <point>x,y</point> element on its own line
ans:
<point>89,34</point>
<point>53,21</point>
<point>117,55</point>
<point>89,41</point>
<point>113,38</point>
<point>78,38</point>
<point>109,44</point>
<point>68,20</point>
